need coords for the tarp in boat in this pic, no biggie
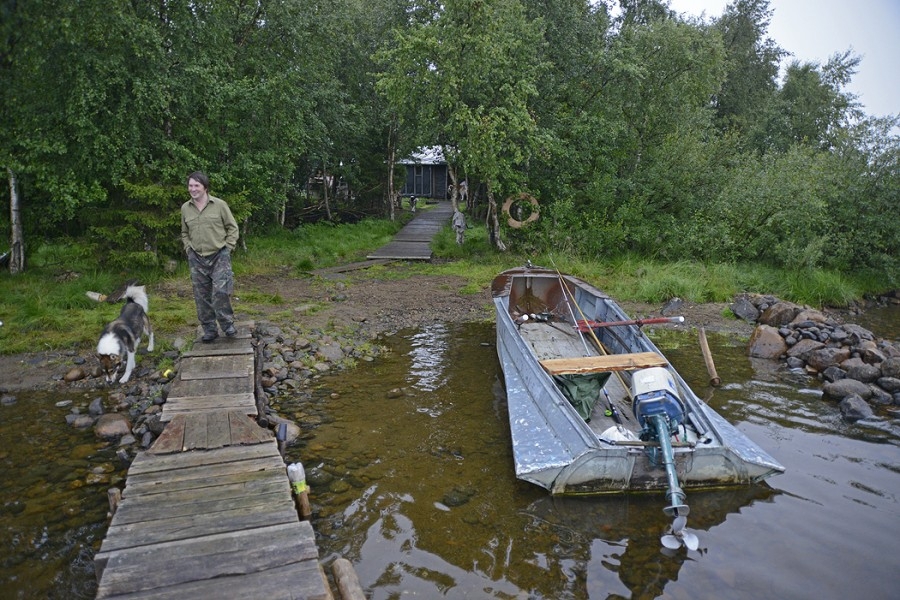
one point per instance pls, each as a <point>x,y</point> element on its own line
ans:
<point>582,390</point>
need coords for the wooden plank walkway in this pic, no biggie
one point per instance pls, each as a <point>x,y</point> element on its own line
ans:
<point>413,242</point>
<point>207,510</point>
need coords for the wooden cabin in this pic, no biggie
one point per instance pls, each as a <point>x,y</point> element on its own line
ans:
<point>426,174</point>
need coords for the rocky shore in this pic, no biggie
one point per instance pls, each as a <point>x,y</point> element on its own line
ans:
<point>858,370</point>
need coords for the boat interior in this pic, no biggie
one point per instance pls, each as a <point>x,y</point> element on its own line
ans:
<point>581,362</point>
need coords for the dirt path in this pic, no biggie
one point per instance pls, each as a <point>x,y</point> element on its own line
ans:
<point>376,304</point>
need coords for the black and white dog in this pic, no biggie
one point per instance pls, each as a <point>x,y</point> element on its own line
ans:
<point>122,336</point>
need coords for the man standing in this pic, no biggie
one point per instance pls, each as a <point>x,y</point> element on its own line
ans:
<point>209,234</point>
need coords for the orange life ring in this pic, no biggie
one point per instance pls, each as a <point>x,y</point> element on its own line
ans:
<point>535,210</point>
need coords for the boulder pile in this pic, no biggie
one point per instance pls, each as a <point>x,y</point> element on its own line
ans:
<point>858,370</point>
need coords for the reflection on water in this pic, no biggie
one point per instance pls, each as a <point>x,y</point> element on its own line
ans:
<point>429,357</point>
<point>418,490</point>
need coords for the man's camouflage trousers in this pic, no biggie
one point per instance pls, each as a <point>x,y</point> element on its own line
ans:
<point>213,282</point>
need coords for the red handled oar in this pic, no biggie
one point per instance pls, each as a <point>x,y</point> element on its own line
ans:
<point>589,325</point>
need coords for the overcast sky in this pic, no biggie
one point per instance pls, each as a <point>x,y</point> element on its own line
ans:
<point>814,30</point>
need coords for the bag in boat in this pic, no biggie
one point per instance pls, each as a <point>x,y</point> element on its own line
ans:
<point>582,390</point>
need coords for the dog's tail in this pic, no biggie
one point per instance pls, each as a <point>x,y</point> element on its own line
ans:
<point>138,295</point>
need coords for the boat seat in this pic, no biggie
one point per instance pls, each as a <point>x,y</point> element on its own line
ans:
<point>601,364</point>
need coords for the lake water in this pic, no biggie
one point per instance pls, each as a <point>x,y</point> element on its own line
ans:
<point>417,490</point>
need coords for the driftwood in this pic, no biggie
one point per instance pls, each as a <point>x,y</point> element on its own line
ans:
<point>347,581</point>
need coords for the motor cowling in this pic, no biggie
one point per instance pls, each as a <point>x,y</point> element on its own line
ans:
<point>655,393</point>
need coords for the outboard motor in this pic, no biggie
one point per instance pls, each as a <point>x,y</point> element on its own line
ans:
<point>660,411</point>
<point>654,394</point>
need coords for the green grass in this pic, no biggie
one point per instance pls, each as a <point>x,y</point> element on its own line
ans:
<point>45,308</point>
<point>315,246</point>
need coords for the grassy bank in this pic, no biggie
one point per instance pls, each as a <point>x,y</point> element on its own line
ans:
<point>46,308</point>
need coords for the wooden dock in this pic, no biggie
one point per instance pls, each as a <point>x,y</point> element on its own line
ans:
<point>413,242</point>
<point>207,510</point>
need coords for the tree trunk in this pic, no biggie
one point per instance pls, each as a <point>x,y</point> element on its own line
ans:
<point>493,221</point>
<point>391,154</point>
<point>325,191</point>
<point>17,239</point>
<point>454,185</point>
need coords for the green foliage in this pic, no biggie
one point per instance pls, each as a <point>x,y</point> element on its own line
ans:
<point>639,132</point>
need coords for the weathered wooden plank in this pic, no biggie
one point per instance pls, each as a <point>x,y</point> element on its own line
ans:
<point>356,266</point>
<point>218,433</point>
<point>197,525</point>
<point>171,439</point>
<point>598,364</point>
<point>206,558</point>
<point>403,251</point>
<point>197,477</point>
<point>218,523</point>
<point>211,387</point>
<point>299,580</point>
<point>144,463</point>
<point>185,405</point>
<point>248,494</point>
<point>217,367</point>
<point>205,402</point>
<point>245,431</point>
<point>221,347</point>
<point>201,484</point>
<point>195,431</point>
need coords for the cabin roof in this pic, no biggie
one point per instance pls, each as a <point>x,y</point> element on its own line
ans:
<point>426,155</point>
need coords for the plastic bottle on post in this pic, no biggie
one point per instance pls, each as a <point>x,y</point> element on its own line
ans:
<point>297,476</point>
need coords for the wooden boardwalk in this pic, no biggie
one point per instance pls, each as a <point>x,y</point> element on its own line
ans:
<point>413,242</point>
<point>207,510</point>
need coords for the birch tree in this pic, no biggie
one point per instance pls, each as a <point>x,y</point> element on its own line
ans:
<point>462,75</point>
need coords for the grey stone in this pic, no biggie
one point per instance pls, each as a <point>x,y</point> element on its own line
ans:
<point>854,408</point>
<point>880,397</point>
<point>891,367</point>
<point>779,314</point>
<point>743,308</point>
<point>865,373</point>
<point>889,384</point>
<point>842,388</point>
<point>823,358</point>
<point>833,374</point>
<point>766,342</point>
<point>112,425</point>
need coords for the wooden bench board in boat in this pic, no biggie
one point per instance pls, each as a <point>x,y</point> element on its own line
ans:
<point>601,364</point>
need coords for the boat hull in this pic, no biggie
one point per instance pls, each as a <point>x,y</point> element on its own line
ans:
<point>555,448</point>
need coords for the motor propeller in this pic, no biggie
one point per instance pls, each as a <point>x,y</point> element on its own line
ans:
<point>679,536</point>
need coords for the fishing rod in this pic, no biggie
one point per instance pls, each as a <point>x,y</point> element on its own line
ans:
<point>586,325</point>
<point>613,411</point>
<point>562,282</point>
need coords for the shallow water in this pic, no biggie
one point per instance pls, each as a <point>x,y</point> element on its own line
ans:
<point>417,489</point>
<point>53,502</point>
<point>419,492</point>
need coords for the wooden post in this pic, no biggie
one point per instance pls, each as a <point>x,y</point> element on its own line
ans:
<point>707,357</point>
<point>261,397</point>
<point>346,580</point>
<point>114,495</point>
<point>302,500</point>
<point>297,477</point>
